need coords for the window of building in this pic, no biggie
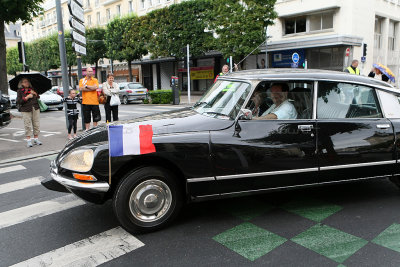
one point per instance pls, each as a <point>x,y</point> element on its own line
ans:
<point>98,18</point>
<point>378,32</point>
<point>89,20</point>
<point>142,3</point>
<point>150,2</point>
<point>321,21</point>
<point>295,25</point>
<point>54,16</point>
<point>87,3</point>
<point>118,9</point>
<point>108,14</point>
<point>96,3</point>
<point>338,100</point>
<point>392,35</point>
<point>130,6</point>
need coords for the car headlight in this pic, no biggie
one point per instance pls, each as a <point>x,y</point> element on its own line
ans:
<point>78,160</point>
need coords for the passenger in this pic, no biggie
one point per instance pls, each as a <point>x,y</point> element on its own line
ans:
<point>282,109</point>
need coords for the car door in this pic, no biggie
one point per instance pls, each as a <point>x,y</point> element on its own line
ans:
<point>355,141</point>
<point>265,154</point>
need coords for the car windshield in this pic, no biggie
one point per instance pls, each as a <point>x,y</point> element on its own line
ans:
<point>224,99</point>
<point>135,86</point>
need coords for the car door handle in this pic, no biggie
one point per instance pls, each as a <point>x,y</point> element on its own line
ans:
<point>305,128</point>
<point>383,126</point>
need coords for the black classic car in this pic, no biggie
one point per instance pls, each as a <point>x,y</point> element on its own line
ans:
<point>341,128</point>
<point>5,115</point>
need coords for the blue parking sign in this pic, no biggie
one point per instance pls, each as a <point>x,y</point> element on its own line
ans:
<point>295,58</point>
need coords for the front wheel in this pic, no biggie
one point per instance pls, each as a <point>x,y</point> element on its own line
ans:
<point>60,108</point>
<point>147,199</point>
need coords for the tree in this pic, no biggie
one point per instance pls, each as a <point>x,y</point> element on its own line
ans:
<point>10,12</point>
<point>42,54</point>
<point>239,25</point>
<point>117,47</point>
<point>172,28</point>
<point>13,65</point>
<point>96,47</point>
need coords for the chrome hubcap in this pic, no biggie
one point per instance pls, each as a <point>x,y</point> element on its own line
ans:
<point>150,200</point>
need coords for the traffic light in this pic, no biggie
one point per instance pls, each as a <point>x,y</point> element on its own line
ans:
<point>364,50</point>
<point>227,60</point>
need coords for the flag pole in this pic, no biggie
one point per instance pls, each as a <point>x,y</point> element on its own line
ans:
<point>109,155</point>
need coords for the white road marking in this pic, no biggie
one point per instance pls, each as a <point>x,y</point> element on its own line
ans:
<point>18,185</point>
<point>37,210</point>
<point>88,252</point>
<point>9,140</point>
<point>12,169</point>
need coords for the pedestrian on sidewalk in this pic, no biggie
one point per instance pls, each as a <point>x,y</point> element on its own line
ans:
<point>111,89</point>
<point>89,86</point>
<point>225,71</point>
<point>353,68</point>
<point>27,100</point>
<point>72,111</point>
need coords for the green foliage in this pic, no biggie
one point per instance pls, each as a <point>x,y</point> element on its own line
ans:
<point>114,39</point>
<point>12,59</point>
<point>172,28</point>
<point>14,10</point>
<point>135,37</point>
<point>43,54</point>
<point>240,24</point>
<point>160,96</point>
<point>96,47</point>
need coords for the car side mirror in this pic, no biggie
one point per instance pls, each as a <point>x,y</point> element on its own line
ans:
<point>245,114</point>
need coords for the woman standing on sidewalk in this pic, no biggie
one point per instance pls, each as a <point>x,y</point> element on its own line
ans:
<point>110,88</point>
<point>27,99</point>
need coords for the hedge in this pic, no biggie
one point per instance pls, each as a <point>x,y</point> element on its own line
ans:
<point>163,96</point>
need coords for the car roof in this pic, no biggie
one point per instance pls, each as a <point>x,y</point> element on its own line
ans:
<point>308,74</point>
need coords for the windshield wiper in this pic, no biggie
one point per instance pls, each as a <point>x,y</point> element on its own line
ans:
<point>216,113</point>
<point>200,103</point>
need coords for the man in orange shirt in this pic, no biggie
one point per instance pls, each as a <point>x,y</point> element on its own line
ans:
<point>88,86</point>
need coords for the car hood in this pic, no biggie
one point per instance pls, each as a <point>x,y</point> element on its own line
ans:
<point>171,122</point>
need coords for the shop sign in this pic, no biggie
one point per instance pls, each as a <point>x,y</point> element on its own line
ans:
<point>200,73</point>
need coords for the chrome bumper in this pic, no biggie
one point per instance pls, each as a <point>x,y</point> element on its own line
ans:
<point>71,184</point>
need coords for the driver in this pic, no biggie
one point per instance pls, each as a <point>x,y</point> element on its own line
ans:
<point>282,109</point>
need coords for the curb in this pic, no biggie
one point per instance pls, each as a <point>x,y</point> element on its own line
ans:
<point>35,156</point>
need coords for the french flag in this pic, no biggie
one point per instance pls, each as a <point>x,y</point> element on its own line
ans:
<point>130,139</point>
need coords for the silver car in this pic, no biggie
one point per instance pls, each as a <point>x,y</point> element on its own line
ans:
<point>132,91</point>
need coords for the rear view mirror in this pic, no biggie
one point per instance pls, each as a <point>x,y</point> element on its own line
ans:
<point>245,114</point>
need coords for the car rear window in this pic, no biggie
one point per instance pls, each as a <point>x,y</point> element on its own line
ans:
<point>390,104</point>
<point>135,86</point>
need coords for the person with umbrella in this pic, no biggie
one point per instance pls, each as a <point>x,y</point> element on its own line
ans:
<point>385,72</point>
<point>27,99</point>
<point>28,87</point>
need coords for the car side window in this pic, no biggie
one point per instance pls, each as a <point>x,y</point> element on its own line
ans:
<point>338,100</point>
<point>298,100</point>
<point>390,104</point>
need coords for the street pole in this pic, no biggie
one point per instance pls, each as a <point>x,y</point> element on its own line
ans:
<point>230,64</point>
<point>266,52</point>
<point>188,71</point>
<point>79,64</point>
<point>23,55</point>
<point>63,56</point>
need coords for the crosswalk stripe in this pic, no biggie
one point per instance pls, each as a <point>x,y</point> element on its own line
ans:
<point>12,169</point>
<point>91,251</point>
<point>37,210</point>
<point>18,185</point>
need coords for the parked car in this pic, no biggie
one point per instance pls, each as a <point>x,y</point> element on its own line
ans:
<point>58,90</point>
<point>13,98</point>
<point>346,129</point>
<point>52,100</point>
<point>5,115</point>
<point>132,91</point>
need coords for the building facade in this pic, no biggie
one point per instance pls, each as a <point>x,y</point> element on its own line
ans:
<point>12,33</point>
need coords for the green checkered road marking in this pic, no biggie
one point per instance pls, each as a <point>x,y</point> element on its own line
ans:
<point>247,209</point>
<point>312,209</point>
<point>330,242</point>
<point>250,241</point>
<point>390,238</point>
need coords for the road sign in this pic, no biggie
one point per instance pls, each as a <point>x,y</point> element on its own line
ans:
<point>295,58</point>
<point>77,37</point>
<point>363,59</point>
<point>76,25</point>
<point>79,49</point>
<point>347,52</point>
<point>294,65</point>
<point>76,10</point>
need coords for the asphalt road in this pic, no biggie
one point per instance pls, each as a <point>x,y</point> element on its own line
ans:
<point>53,129</point>
<point>352,224</point>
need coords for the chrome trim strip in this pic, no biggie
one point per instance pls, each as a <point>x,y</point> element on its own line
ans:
<point>203,179</point>
<point>303,185</point>
<point>71,184</point>
<point>357,165</point>
<point>315,100</point>
<point>246,175</point>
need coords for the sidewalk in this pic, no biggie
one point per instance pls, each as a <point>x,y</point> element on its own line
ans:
<point>193,98</point>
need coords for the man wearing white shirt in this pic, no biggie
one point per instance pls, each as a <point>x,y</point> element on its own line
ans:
<point>282,109</point>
